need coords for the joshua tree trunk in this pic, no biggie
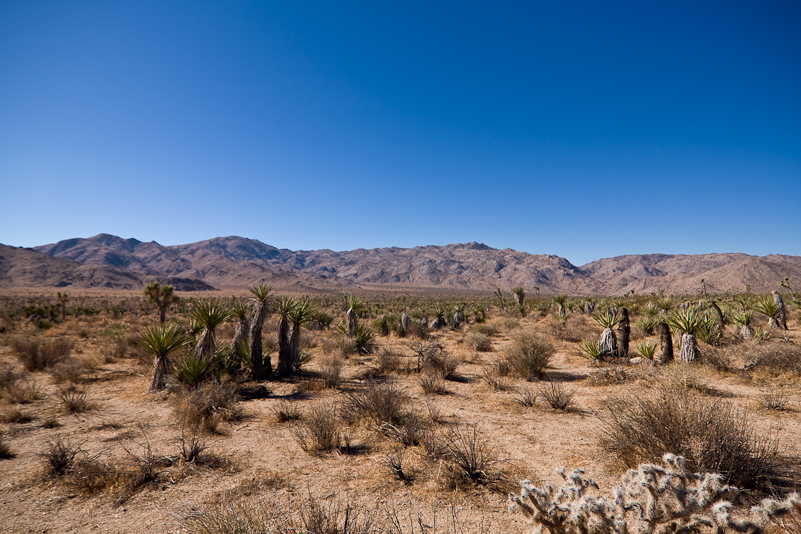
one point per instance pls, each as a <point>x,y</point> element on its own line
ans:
<point>241,332</point>
<point>561,310</point>
<point>689,348</point>
<point>623,332</point>
<point>608,343</point>
<point>205,347</point>
<point>667,343</point>
<point>458,319</point>
<point>719,313</point>
<point>286,359</point>
<point>589,307</point>
<point>160,371</point>
<point>404,322</point>
<point>777,298</point>
<point>350,322</point>
<point>260,370</point>
<point>284,350</point>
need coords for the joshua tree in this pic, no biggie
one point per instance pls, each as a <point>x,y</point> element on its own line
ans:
<point>623,333</point>
<point>743,321</point>
<point>404,322</point>
<point>687,322</point>
<point>519,294</point>
<point>719,313</point>
<point>767,306</point>
<point>208,314</point>
<point>284,308</point>
<point>560,300</point>
<point>666,342</point>
<point>537,289</point>
<point>499,294</point>
<point>439,322</point>
<point>239,311</point>
<point>458,315</point>
<point>777,299</point>
<point>63,298</point>
<point>300,314</point>
<point>703,286</point>
<point>161,296</point>
<point>261,369</point>
<point>161,341</point>
<point>608,344</point>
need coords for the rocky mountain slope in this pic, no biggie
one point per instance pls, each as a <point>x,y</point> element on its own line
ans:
<point>236,262</point>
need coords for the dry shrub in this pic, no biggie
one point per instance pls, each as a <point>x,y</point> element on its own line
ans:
<point>286,411</point>
<point>331,370</point>
<point>713,435</point>
<point>320,430</point>
<point>469,454</point>
<point>774,399</point>
<point>681,375</point>
<point>417,330</point>
<point>528,355</point>
<point>58,457</point>
<point>379,403</point>
<point>483,329</point>
<point>334,517</point>
<point>611,375</point>
<point>720,359</point>
<point>69,370</point>
<point>37,353</point>
<point>5,451</point>
<point>90,476</point>
<point>242,518</point>
<point>432,384</point>
<point>8,377</point>
<point>388,361</point>
<point>209,406</point>
<point>24,392</point>
<point>409,433</point>
<point>478,342</point>
<point>557,395</point>
<point>526,396</point>
<point>16,416</point>
<point>573,329</point>
<point>775,358</point>
<point>508,323</point>
<point>74,400</point>
<point>494,376</point>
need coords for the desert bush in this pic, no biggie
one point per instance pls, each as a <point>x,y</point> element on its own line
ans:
<point>647,324</point>
<point>508,323</point>
<point>609,376</point>
<point>8,377</point>
<point>364,339</point>
<point>190,369</point>
<point>58,457</point>
<point>526,396</point>
<point>469,453</point>
<point>676,375</point>
<point>210,405</point>
<point>5,451</point>
<point>713,435</point>
<point>409,433</point>
<point>23,392</point>
<point>333,517</point>
<point>16,416</point>
<point>558,396</point>
<point>528,355</point>
<point>388,361</point>
<point>241,518</point>
<point>320,429</point>
<point>378,402</point>
<point>653,498</point>
<point>494,376</point>
<point>89,476</point>
<point>775,358</point>
<point>432,384</point>
<point>68,370</point>
<point>37,353</point>
<point>331,370</point>
<point>774,399</point>
<point>483,329</point>
<point>74,400</point>
<point>478,342</point>
<point>286,411</point>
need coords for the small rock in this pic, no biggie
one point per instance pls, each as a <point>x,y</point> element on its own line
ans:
<point>636,361</point>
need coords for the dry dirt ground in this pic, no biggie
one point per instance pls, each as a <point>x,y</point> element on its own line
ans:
<point>257,460</point>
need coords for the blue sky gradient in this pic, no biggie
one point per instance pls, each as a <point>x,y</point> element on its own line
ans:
<point>581,129</point>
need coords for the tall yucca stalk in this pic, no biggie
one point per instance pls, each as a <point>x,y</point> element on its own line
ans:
<point>261,368</point>
<point>161,341</point>
<point>209,314</point>
<point>687,321</point>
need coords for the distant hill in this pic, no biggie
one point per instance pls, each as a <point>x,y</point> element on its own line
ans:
<point>236,262</point>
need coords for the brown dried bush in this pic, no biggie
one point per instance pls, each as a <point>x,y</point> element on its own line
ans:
<point>378,403</point>
<point>320,430</point>
<point>208,406</point>
<point>713,435</point>
<point>37,353</point>
<point>528,355</point>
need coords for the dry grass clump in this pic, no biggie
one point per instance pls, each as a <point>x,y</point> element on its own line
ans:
<point>331,370</point>
<point>37,353</point>
<point>713,435</point>
<point>611,376</point>
<point>432,384</point>
<point>774,399</point>
<point>494,375</point>
<point>320,430</point>
<point>775,358</point>
<point>208,406</point>
<point>388,362</point>
<point>286,411</point>
<point>58,457</point>
<point>469,455</point>
<point>528,355</point>
<point>69,370</point>
<point>526,396</point>
<point>5,451</point>
<point>16,416</point>
<point>74,400</point>
<point>478,342</point>
<point>8,377</point>
<point>572,329</point>
<point>483,329</point>
<point>557,395</point>
<point>680,375</point>
<point>378,402</point>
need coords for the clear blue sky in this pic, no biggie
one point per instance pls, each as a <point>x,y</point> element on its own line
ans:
<point>581,129</point>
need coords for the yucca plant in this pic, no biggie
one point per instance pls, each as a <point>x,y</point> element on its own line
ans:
<point>364,339</point>
<point>647,349</point>
<point>262,366</point>
<point>767,306</point>
<point>519,295</point>
<point>191,370</point>
<point>650,310</point>
<point>687,321</point>
<point>664,304</point>
<point>209,314</point>
<point>283,308</point>
<point>743,321</point>
<point>161,341</point>
<point>608,344</point>
<point>300,314</point>
<point>590,348</point>
<point>709,331</point>
<point>240,311</point>
<point>648,324</point>
<point>560,301</point>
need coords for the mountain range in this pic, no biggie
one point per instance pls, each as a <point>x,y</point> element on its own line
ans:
<point>109,261</point>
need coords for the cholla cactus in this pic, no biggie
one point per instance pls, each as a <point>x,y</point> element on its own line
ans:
<point>651,499</point>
